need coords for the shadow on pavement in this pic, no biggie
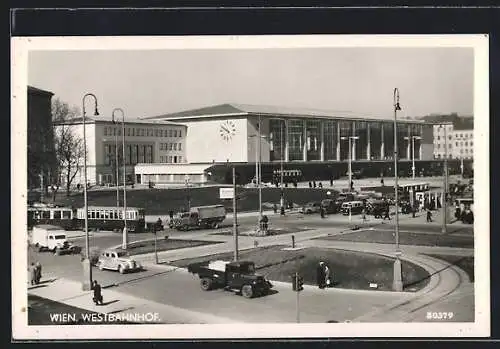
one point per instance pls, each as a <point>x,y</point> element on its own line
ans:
<point>120,310</point>
<point>110,302</point>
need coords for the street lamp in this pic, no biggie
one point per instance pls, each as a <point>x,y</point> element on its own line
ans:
<point>125,231</point>
<point>398,279</point>
<point>350,138</point>
<point>87,268</point>
<point>413,138</point>
<point>116,163</point>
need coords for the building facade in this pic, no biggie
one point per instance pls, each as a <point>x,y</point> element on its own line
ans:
<point>230,133</point>
<point>146,142</point>
<point>41,155</point>
<point>453,143</point>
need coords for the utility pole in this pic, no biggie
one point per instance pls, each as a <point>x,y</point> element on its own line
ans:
<point>444,229</point>
<point>297,302</point>
<point>235,218</point>
<point>282,196</point>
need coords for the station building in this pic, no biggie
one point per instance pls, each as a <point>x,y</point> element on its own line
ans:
<point>146,142</point>
<point>314,142</point>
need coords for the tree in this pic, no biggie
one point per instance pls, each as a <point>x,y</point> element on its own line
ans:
<point>68,146</point>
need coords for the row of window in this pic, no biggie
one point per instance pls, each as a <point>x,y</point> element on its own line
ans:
<point>439,156</point>
<point>462,144</point>
<point>134,153</point>
<point>461,135</point>
<point>449,137</point>
<point>170,146</point>
<point>439,146</point>
<point>171,159</point>
<point>142,132</point>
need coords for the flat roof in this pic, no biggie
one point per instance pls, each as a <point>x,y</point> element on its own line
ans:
<point>97,119</point>
<point>245,110</point>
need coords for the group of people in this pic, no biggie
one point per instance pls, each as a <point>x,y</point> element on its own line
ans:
<point>35,273</point>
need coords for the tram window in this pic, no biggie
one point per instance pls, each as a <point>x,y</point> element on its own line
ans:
<point>46,214</point>
<point>106,214</point>
<point>57,215</point>
<point>66,214</point>
<point>120,214</point>
<point>97,214</point>
<point>115,214</point>
<point>88,215</point>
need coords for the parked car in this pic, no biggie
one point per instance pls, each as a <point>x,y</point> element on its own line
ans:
<point>355,207</point>
<point>117,260</point>
<point>330,206</point>
<point>311,207</point>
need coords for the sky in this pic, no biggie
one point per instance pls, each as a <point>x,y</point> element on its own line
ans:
<point>360,80</point>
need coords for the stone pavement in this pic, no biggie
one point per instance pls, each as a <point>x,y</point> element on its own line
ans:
<point>118,303</point>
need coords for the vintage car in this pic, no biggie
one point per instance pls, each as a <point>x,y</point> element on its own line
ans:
<point>117,260</point>
<point>311,207</point>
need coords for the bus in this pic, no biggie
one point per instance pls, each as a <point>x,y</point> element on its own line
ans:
<point>53,215</point>
<point>111,218</point>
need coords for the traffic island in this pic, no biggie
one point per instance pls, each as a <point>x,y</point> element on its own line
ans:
<point>380,236</point>
<point>166,244</point>
<point>350,270</point>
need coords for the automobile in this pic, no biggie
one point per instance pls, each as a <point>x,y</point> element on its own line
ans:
<point>352,207</point>
<point>236,276</point>
<point>330,206</point>
<point>117,260</point>
<point>311,207</point>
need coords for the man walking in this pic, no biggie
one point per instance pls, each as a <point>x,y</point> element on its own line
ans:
<point>98,299</point>
<point>38,272</point>
<point>429,215</point>
<point>386,215</point>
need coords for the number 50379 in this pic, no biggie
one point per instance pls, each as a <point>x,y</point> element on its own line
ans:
<point>439,315</point>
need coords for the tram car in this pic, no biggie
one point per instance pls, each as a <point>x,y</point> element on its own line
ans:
<point>52,215</point>
<point>111,218</point>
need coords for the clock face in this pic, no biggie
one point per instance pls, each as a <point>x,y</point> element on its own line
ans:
<point>227,130</point>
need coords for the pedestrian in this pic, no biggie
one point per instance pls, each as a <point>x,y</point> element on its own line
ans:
<point>78,186</point>
<point>331,182</point>
<point>429,216</point>
<point>32,270</point>
<point>98,299</point>
<point>38,271</point>
<point>328,280</point>
<point>387,215</point>
<point>275,208</point>
<point>381,181</point>
<point>352,185</point>
<point>322,212</point>
<point>320,275</point>
<point>363,212</point>
<point>159,225</point>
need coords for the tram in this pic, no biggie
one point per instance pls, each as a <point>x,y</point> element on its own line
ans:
<point>111,218</point>
<point>53,215</point>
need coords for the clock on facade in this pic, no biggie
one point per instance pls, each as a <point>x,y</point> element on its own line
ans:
<point>227,130</point>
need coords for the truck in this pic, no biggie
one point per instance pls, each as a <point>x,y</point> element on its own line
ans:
<point>236,276</point>
<point>47,237</point>
<point>200,217</point>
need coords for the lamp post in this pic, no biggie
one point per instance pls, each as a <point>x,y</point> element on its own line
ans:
<point>413,138</point>
<point>259,145</point>
<point>350,138</point>
<point>125,230</point>
<point>117,181</point>
<point>398,279</point>
<point>87,268</point>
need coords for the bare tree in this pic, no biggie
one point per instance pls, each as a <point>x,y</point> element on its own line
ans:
<point>68,146</point>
